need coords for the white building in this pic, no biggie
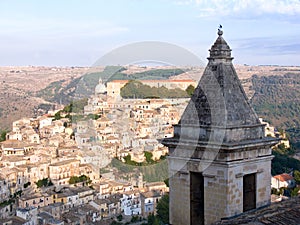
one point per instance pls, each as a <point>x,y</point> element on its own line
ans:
<point>29,214</point>
<point>283,180</point>
<point>131,204</point>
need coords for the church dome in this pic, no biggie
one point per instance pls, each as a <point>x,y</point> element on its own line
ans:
<point>100,88</point>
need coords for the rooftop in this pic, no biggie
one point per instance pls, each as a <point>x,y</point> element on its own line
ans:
<point>14,220</point>
<point>65,162</point>
<point>281,213</point>
<point>219,110</point>
<point>219,99</point>
<point>150,194</point>
<point>13,144</point>
<point>284,177</point>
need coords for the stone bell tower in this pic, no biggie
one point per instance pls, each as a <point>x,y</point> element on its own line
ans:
<point>220,159</point>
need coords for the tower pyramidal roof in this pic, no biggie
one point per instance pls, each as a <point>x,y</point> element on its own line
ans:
<point>219,102</point>
<point>219,149</point>
<point>219,99</point>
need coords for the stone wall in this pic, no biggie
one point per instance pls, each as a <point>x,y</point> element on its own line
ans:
<point>223,186</point>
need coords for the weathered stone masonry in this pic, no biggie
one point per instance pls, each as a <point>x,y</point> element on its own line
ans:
<point>220,159</point>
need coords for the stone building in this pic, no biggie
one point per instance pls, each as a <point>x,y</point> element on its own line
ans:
<point>60,172</point>
<point>220,159</point>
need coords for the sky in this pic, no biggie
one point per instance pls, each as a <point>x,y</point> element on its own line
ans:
<point>79,32</point>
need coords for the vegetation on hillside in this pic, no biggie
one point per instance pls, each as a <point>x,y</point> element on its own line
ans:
<point>163,209</point>
<point>297,176</point>
<point>46,107</point>
<point>3,135</point>
<point>151,170</point>
<point>46,182</point>
<point>151,173</point>
<point>135,89</point>
<point>190,90</point>
<point>277,99</point>
<point>82,87</point>
<point>283,162</point>
<point>156,74</point>
<point>75,106</point>
<point>50,92</point>
<point>80,179</point>
<point>74,112</point>
<point>162,216</point>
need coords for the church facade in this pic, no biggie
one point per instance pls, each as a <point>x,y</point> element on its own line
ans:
<point>220,159</point>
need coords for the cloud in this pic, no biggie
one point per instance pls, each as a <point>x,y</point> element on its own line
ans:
<point>244,8</point>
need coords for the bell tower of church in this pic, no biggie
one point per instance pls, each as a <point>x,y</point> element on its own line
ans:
<point>219,158</point>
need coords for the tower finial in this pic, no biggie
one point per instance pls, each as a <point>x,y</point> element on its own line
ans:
<point>220,32</point>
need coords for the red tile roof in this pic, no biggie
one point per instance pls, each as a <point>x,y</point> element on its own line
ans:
<point>284,177</point>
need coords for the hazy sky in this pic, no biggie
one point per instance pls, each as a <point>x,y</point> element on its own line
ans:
<point>78,32</point>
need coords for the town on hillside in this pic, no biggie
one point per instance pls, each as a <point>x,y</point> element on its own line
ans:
<point>60,167</point>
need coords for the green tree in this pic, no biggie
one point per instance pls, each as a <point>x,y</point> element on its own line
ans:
<point>46,182</point>
<point>148,156</point>
<point>120,217</point>
<point>134,219</point>
<point>57,116</point>
<point>153,220</point>
<point>82,178</point>
<point>167,182</point>
<point>274,191</point>
<point>190,90</point>
<point>26,185</point>
<point>136,89</point>
<point>115,223</point>
<point>297,176</point>
<point>93,116</point>
<point>68,108</point>
<point>295,191</point>
<point>3,135</point>
<point>73,180</point>
<point>78,106</point>
<point>282,163</point>
<point>163,209</point>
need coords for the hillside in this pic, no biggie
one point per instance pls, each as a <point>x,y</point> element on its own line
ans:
<point>277,100</point>
<point>135,89</point>
<point>84,86</point>
<point>19,85</point>
<point>25,91</point>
